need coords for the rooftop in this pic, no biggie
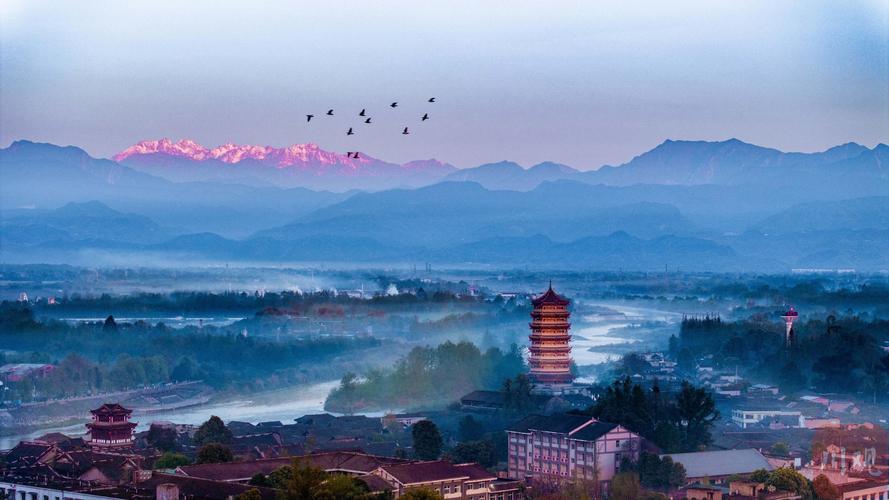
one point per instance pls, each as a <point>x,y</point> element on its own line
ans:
<point>721,463</point>
<point>550,297</point>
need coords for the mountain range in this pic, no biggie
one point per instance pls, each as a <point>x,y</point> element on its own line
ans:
<point>298,165</point>
<point>688,204</point>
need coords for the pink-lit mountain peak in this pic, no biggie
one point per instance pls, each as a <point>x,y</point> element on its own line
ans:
<point>296,154</point>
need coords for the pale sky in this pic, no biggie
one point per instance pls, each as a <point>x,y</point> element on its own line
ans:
<point>581,83</point>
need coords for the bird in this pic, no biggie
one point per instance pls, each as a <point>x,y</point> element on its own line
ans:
<point>425,117</point>
<point>393,105</point>
<point>356,155</point>
<point>405,132</point>
<point>350,132</point>
<point>431,99</point>
<point>349,154</point>
<point>309,118</point>
<point>329,112</point>
<point>361,113</point>
<point>367,121</point>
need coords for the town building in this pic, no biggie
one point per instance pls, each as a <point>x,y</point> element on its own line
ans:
<point>550,351</point>
<point>111,428</point>
<point>568,446</point>
<point>16,372</point>
<point>451,481</point>
<point>716,466</point>
<point>745,418</point>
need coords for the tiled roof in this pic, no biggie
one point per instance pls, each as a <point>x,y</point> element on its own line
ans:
<point>721,463</point>
<point>374,483</point>
<point>593,431</point>
<point>476,472</point>
<point>550,297</point>
<point>563,423</point>
<point>425,472</point>
<point>359,463</point>
<point>196,488</point>
<point>26,453</point>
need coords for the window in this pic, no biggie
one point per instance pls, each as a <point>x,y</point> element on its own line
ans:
<point>446,489</point>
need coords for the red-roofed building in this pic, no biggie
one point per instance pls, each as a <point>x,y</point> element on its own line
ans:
<point>111,427</point>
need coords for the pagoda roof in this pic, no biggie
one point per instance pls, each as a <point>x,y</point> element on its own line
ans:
<point>111,409</point>
<point>550,297</point>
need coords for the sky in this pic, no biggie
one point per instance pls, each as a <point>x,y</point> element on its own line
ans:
<point>580,83</point>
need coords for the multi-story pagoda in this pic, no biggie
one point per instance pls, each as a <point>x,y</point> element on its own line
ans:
<point>550,357</point>
<point>111,428</point>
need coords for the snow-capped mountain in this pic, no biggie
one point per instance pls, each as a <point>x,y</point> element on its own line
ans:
<point>305,165</point>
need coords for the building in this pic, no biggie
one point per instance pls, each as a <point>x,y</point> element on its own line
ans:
<point>451,481</point>
<point>716,466</point>
<point>789,317</point>
<point>784,418</point>
<point>111,428</point>
<point>550,357</point>
<point>568,446</point>
<point>16,372</point>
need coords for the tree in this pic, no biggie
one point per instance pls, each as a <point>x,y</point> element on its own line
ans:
<point>260,479</point>
<point>759,475</point>
<point>625,486</point>
<point>162,438</point>
<point>213,431</point>
<point>824,489</point>
<point>251,494</point>
<point>780,448</point>
<point>170,460</point>
<point>303,480</point>
<point>214,453</point>
<point>481,452</point>
<point>110,325</point>
<point>340,487</point>
<point>420,494</point>
<point>787,479</point>
<point>470,429</point>
<point>792,378</point>
<point>427,440</point>
<point>656,472</point>
<point>697,411</point>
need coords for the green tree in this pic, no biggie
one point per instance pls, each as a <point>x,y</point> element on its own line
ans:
<point>469,429</point>
<point>824,489</point>
<point>214,453</point>
<point>303,481</point>
<point>481,452</point>
<point>162,438</point>
<point>427,440</point>
<point>759,475</point>
<point>260,479</point>
<point>420,494</point>
<point>340,487</point>
<point>213,431</point>
<point>697,412</point>
<point>625,486</point>
<point>780,448</point>
<point>787,479</point>
<point>170,460</point>
<point>251,494</point>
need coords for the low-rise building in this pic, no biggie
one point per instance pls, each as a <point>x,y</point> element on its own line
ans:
<point>451,481</point>
<point>717,466</point>
<point>784,418</point>
<point>568,446</point>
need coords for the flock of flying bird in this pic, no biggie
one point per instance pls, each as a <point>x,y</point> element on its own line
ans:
<point>363,114</point>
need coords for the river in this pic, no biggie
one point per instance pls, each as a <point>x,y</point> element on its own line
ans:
<point>284,405</point>
<point>603,329</point>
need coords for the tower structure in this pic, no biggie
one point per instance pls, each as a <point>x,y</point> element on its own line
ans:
<point>550,357</point>
<point>789,317</point>
<point>111,428</point>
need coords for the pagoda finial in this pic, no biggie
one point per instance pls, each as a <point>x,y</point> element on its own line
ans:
<point>550,285</point>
